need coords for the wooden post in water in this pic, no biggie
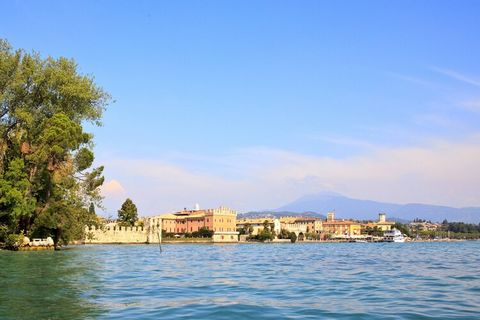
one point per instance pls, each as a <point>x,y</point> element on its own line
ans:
<point>159,233</point>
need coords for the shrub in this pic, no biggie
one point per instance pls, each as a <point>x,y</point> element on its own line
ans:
<point>13,241</point>
<point>205,233</point>
<point>3,232</point>
<point>293,237</point>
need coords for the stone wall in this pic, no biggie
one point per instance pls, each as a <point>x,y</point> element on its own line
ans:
<point>223,237</point>
<point>116,234</point>
<point>113,233</point>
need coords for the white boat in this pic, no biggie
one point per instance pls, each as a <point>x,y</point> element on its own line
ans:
<point>393,235</point>
<point>360,241</point>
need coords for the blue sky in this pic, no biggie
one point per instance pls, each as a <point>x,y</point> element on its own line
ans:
<point>251,104</point>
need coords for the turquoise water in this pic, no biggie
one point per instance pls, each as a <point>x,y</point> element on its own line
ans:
<point>247,281</point>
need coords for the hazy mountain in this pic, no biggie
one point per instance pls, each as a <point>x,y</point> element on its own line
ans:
<point>260,214</point>
<point>366,209</point>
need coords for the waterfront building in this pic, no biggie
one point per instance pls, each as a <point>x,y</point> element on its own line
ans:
<point>331,216</point>
<point>382,223</point>
<point>256,225</point>
<point>422,225</point>
<point>299,225</point>
<point>341,228</point>
<point>218,220</point>
<point>222,221</point>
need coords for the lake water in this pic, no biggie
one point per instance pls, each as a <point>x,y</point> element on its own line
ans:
<point>244,281</point>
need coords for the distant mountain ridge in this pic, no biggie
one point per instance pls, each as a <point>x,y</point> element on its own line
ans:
<point>278,214</point>
<point>368,210</point>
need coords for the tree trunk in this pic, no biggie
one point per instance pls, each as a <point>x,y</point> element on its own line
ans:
<point>56,238</point>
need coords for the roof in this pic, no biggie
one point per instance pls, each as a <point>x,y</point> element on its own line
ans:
<point>282,219</point>
<point>222,211</point>
<point>254,220</point>
<point>376,223</point>
<point>342,222</point>
<point>174,216</point>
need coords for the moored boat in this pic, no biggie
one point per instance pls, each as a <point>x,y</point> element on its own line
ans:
<point>393,235</point>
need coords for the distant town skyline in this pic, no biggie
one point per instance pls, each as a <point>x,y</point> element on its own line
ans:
<point>255,104</point>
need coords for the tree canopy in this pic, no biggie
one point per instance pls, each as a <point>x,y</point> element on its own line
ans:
<point>127,215</point>
<point>45,154</point>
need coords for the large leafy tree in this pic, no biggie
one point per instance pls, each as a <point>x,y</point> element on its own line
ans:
<point>45,154</point>
<point>127,215</point>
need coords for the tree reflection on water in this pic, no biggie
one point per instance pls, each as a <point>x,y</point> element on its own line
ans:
<point>48,285</point>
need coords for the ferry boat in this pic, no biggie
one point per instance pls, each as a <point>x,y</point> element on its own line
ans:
<point>393,235</point>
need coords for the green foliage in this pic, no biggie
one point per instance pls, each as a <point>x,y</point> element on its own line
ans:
<point>13,241</point>
<point>14,203</point>
<point>265,235</point>
<point>127,215</point>
<point>84,159</point>
<point>452,230</point>
<point>204,233</point>
<point>293,237</point>
<point>91,209</point>
<point>201,233</point>
<point>3,232</point>
<point>246,229</point>
<point>403,228</point>
<point>460,227</point>
<point>44,152</point>
<point>285,234</point>
<point>375,231</point>
<point>266,225</point>
<point>312,236</point>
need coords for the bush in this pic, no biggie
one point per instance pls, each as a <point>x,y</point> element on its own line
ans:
<point>293,237</point>
<point>205,233</point>
<point>201,233</point>
<point>284,234</point>
<point>264,235</point>
<point>13,241</point>
<point>3,232</point>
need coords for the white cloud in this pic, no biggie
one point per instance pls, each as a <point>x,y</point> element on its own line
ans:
<point>412,79</point>
<point>113,188</point>
<point>441,172</point>
<point>114,194</point>
<point>458,76</point>
<point>347,142</point>
<point>471,105</point>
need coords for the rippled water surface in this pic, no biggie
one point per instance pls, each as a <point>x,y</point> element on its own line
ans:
<point>244,281</point>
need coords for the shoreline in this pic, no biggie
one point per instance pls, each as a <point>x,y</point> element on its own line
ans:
<point>24,249</point>
<point>266,242</point>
